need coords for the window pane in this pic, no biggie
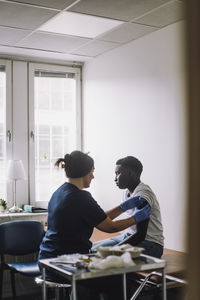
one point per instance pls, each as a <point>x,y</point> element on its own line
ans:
<point>2,135</point>
<point>57,147</point>
<point>57,97</point>
<point>42,94</point>
<point>44,130</point>
<point>55,129</point>
<point>1,147</point>
<point>43,151</point>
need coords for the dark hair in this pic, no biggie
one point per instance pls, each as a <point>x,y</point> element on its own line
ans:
<point>77,164</point>
<point>132,163</point>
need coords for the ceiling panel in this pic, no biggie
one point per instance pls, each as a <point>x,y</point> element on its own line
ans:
<point>125,10</point>
<point>79,25</point>
<point>127,32</point>
<point>21,20</point>
<point>52,42</point>
<point>58,4</point>
<point>165,15</point>
<point>23,16</point>
<point>94,48</point>
<point>9,36</point>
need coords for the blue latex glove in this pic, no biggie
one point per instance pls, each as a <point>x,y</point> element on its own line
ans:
<point>131,203</point>
<point>142,214</point>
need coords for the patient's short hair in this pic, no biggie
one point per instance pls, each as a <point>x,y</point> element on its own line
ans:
<point>132,163</point>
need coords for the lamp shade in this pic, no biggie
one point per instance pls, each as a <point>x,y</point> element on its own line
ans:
<point>16,170</point>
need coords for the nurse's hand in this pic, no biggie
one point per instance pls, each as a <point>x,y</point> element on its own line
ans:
<point>142,214</point>
<point>132,203</point>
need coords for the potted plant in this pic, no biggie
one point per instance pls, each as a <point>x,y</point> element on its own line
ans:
<point>3,205</point>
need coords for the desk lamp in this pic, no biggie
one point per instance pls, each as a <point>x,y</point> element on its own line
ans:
<point>15,172</point>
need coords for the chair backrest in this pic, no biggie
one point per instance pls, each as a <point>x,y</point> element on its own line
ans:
<point>20,237</point>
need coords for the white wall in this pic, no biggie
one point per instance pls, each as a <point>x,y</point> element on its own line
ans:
<point>133,104</point>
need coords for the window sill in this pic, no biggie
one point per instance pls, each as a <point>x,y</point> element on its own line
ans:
<point>7,216</point>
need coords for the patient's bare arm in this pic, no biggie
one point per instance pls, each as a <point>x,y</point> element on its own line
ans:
<point>140,235</point>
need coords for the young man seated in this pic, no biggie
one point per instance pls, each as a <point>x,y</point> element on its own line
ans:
<point>148,233</point>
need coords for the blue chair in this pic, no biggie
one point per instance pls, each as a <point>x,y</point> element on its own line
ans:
<point>18,238</point>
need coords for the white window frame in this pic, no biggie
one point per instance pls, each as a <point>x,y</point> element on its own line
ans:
<point>51,68</point>
<point>9,127</point>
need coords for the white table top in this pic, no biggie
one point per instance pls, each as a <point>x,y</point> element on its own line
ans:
<point>144,263</point>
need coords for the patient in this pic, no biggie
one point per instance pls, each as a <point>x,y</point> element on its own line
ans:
<point>148,233</point>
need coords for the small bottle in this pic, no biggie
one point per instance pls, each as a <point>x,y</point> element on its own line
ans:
<point>27,208</point>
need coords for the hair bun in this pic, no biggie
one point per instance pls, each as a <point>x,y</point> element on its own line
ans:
<point>59,161</point>
<point>77,164</point>
<point>67,158</point>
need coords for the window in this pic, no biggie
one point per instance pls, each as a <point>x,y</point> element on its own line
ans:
<point>5,125</point>
<point>55,126</point>
<point>2,131</point>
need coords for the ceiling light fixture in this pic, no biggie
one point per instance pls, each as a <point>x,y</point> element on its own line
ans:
<point>79,25</point>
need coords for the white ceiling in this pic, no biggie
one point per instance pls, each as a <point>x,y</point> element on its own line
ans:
<point>21,20</point>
